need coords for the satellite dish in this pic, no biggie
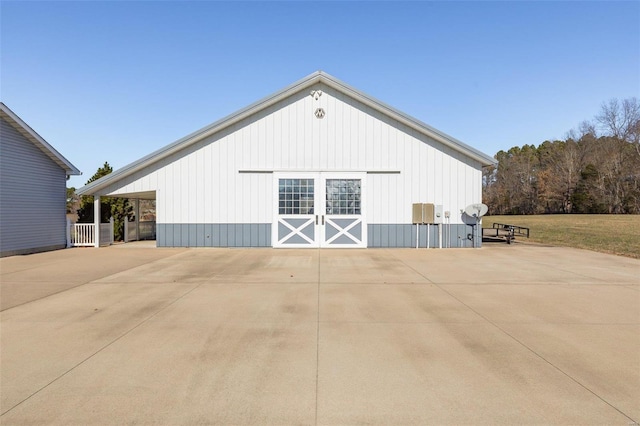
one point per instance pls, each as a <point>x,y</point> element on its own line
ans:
<point>476,210</point>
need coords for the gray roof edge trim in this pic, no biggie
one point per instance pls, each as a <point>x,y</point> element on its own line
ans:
<point>39,141</point>
<point>186,141</point>
<point>413,122</point>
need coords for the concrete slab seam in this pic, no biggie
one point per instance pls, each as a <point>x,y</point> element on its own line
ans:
<point>100,350</point>
<point>543,265</point>
<point>318,335</point>
<point>29,269</point>
<point>79,285</point>
<point>48,295</point>
<point>116,339</point>
<point>38,265</point>
<point>634,421</point>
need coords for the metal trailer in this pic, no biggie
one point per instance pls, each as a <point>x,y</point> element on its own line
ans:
<point>505,231</point>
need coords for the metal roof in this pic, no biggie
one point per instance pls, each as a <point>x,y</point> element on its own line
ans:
<point>310,80</point>
<point>37,140</point>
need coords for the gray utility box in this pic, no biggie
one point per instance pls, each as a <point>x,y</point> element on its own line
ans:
<point>417,216</point>
<point>438,214</point>
<point>427,213</point>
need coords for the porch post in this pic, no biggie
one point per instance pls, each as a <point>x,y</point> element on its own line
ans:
<point>111,222</point>
<point>96,221</point>
<point>137,216</point>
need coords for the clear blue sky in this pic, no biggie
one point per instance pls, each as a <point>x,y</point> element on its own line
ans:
<point>114,81</point>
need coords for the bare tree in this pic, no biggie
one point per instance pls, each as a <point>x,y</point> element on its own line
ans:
<point>621,120</point>
<point>595,170</point>
<point>560,166</point>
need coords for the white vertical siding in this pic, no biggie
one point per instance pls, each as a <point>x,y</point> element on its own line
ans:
<point>204,185</point>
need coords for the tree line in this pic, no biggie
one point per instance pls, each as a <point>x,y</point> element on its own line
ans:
<point>595,169</point>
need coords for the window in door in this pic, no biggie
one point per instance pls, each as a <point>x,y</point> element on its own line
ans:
<point>295,196</point>
<point>343,196</point>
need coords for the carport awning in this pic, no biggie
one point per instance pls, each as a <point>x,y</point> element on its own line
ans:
<point>146,195</point>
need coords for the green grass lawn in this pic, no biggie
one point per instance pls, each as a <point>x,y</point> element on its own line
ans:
<point>616,234</point>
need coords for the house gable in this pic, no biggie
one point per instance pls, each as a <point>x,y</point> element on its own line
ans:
<point>11,119</point>
<point>299,90</point>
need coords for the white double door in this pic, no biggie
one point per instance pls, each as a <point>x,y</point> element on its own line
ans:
<point>323,209</point>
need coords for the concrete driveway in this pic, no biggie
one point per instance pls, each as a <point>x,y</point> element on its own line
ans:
<point>520,334</point>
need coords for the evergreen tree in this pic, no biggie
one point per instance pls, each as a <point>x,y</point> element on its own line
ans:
<point>71,199</point>
<point>119,208</point>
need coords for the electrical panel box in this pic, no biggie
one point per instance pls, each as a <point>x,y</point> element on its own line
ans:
<point>438,216</point>
<point>428,213</point>
<point>417,213</point>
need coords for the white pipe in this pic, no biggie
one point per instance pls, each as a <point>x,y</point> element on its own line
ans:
<point>428,234</point>
<point>447,236</point>
<point>417,234</point>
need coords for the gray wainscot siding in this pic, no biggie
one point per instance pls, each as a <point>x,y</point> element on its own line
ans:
<point>32,196</point>
<point>213,235</point>
<point>259,235</point>
<point>404,235</point>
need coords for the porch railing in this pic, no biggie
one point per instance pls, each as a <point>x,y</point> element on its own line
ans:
<point>83,234</point>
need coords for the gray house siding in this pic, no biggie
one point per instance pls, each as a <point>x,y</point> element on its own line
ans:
<point>32,196</point>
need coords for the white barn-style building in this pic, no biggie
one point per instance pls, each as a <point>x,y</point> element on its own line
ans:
<point>317,164</point>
